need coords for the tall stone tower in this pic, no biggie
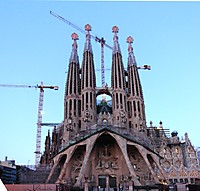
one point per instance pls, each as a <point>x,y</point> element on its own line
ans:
<point>136,110</point>
<point>88,85</point>
<point>72,96</point>
<point>105,144</point>
<point>118,84</point>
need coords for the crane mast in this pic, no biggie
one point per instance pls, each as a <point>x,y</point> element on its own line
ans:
<point>39,122</point>
<point>97,39</point>
<point>102,66</point>
<point>40,108</point>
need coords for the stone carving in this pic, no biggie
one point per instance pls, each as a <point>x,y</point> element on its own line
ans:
<point>86,116</point>
<point>166,164</point>
<point>155,168</point>
<point>123,117</point>
<point>174,140</point>
<point>69,125</point>
<point>177,164</point>
<point>77,163</point>
<point>105,159</point>
<point>104,119</point>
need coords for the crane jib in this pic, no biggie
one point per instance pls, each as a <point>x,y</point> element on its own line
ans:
<point>97,39</point>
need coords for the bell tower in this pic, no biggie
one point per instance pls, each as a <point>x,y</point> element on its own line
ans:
<point>72,92</point>
<point>136,110</point>
<point>88,85</point>
<point>119,98</point>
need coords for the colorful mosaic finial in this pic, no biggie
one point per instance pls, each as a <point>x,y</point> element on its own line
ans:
<point>74,36</point>
<point>88,27</point>
<point>115,29</point>
<point>129,39</point>
<point>88,46</point>
<point>116,47</point>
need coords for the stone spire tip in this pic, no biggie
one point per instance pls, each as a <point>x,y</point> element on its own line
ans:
<point>88,46</point>
<point>131,59</point>
<point>75,38</point>
<point>116,47</point>
<point>115,29</point>
<point>130,40</point>
<point>88,27</point>
<point>74,56</point>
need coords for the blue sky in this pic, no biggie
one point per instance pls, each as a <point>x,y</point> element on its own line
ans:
<point>35,47</point>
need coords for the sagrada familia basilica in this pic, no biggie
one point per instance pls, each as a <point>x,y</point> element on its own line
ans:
<point>107,143</point>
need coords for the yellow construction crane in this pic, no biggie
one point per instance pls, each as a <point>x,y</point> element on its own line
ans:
<point>40,108</point>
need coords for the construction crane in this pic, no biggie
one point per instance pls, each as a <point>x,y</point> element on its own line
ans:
<point>40,108</point>
<point>144,67</point>
<point>97,39</point>
<point>50,124</point>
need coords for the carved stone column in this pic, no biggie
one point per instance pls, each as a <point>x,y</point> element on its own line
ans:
<point>123,146</point>
<point>89,148</point>
<point>107,182</point>
<point>86,184</point>
<point>130,183</point>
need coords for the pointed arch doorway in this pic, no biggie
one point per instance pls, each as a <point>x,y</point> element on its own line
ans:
<point>106,182</point>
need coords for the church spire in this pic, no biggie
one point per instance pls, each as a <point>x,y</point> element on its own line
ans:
<point>119,106</point>
<point>74,55</point>
<point>131,57</point>
<point>72,91</point>
<point>88,84</point>
<point>88,46</point>
<point>73,80</point>
<point>116,47</point>
<point>136,110</point>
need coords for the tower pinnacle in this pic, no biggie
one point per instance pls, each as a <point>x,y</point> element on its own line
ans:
<point>131,57</point>
<point>88,84</point>
<point>88,27</point>
<point>74,37</point>
<point>129,40</point>
<point>74,56</point>
<point>71,94</point>
<point>116,47</point>
<point>118,84</point>
<point>88,46</point>
<point>136,109</point>
<point>115,29</point>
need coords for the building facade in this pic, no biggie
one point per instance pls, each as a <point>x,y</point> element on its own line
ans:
<point>198,153</point>
<point>8,171</point>
<point>106,144</point>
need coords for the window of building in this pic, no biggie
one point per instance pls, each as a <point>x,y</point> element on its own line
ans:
<point>79,108</point>
<point>134,105</point>
<point>129,123</point>
<point>79,124</point>
<point>82,102</point>
<point>121,99</point>
<point>74,107</point>
<point>102,181</point>
<point>86,98</point>
<point>91,100</point>
<point>70,104</point>
<point>186,180</point>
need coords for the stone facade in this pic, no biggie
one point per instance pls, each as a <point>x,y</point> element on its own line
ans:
<point>106,143</point>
